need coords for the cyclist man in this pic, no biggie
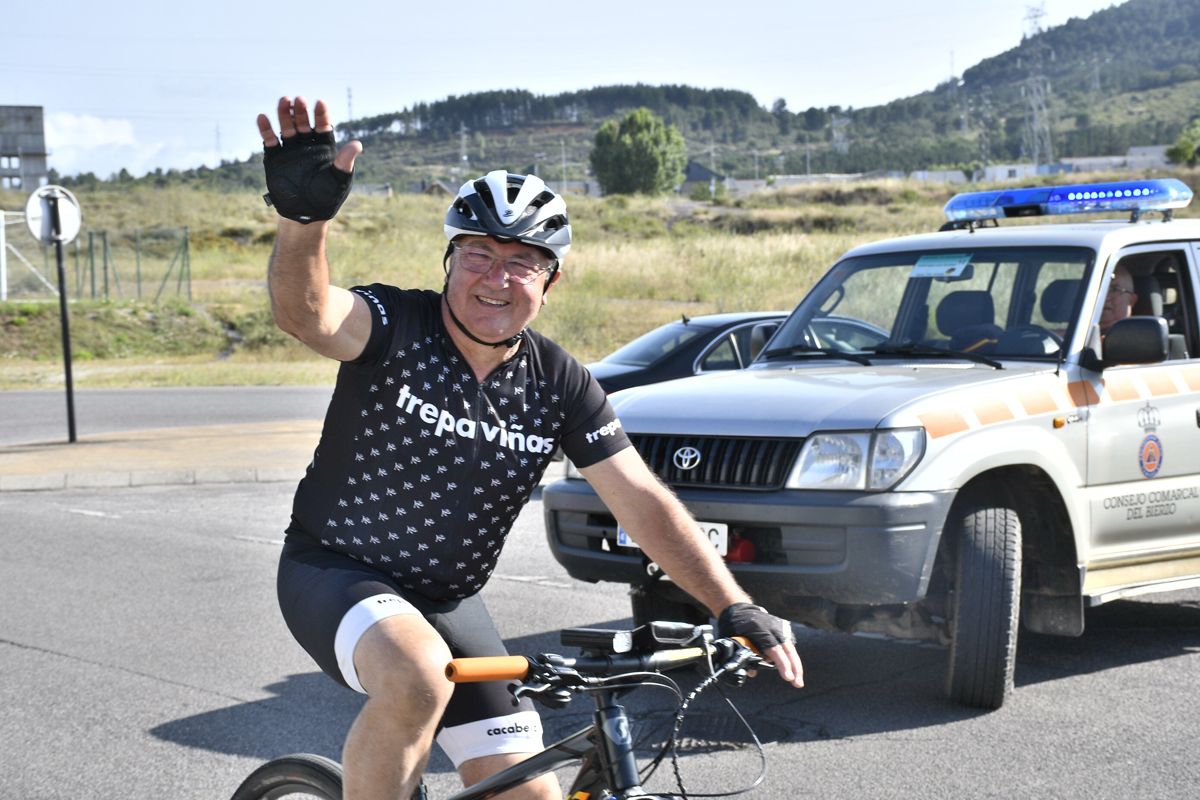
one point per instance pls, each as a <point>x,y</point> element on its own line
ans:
<point>446,411</point>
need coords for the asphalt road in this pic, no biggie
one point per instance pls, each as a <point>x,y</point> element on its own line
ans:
<point>142,656</point>
<point>41,416</point>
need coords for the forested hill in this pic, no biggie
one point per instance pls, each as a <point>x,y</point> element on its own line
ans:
<point>1127,75</point>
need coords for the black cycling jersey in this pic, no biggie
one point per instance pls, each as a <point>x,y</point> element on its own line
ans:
<point>421,469</point>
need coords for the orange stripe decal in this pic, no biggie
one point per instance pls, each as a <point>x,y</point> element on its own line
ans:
<point>1191,376</point>
<point>1083,393</point>
<point>1120,388</point>
<point>1037,401</point>
<point>1159,383</point>
<point>992,411</point>
<point>942,423</point>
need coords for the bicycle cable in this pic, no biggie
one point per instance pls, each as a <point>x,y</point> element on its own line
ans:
<point>713,676</point>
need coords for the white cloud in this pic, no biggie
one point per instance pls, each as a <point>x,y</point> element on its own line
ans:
<point>106,145</point>
<point>73,130</point>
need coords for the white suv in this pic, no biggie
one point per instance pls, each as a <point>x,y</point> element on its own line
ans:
<point>996,458</point>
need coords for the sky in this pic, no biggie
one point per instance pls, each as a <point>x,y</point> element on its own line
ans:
<point>141,85</point>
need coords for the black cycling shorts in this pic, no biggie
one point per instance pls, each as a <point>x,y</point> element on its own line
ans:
<point>329,600</point>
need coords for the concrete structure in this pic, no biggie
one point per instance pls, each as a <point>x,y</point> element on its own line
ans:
<point>1007,172</point>
<point>939,176</point>
<point>22,148</point>
<point>1146,157</point>
<point>783,181</point>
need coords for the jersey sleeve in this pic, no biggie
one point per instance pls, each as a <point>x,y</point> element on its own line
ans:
<point>392,310</point>
<point>592,431</point>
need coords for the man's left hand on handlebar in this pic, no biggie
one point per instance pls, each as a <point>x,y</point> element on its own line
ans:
<point>771,635</point>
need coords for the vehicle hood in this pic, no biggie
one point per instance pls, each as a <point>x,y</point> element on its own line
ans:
<point>796,400</point>
<point>605,370</point>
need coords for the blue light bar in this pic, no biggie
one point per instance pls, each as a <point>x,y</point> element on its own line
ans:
<point>1087,198</point>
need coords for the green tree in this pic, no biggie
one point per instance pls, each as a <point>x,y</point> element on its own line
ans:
<point>1186,149</point>
<point>639,154</point>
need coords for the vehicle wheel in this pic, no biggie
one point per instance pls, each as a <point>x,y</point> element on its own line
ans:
<point>302,774</point>
<point>985,606</point>
<point>651,604</point>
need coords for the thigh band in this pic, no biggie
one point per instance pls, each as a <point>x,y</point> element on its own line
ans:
<point>361,616</point>
<point>520,732</point>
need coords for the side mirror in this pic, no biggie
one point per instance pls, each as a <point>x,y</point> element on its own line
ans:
<point>759,336</point>
<point>1136,340</point>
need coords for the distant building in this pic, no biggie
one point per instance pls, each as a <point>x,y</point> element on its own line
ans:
<point>744,186</point>
<point>939,175</point>
<point>1007,172</point>
<point>437,189</point>
<point>22,148</point>
<point>696,175</point>
<point>1146,157</point>
<point>783,181</point>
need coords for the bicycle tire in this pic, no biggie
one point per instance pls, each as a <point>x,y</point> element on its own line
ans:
<point>297,774</point>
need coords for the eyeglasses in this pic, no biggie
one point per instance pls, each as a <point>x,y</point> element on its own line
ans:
<point>480,260</point>
<point>1114,288</point>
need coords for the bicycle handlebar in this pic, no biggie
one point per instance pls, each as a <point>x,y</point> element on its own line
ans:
<point>487,668</point>
<point>499,668</point>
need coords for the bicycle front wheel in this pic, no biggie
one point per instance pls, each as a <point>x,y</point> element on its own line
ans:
<point>299,775</point>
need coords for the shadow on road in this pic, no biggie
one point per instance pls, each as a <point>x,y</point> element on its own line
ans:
<point>309,713</point>
<point>855,686</point>
<point>1118,634</point>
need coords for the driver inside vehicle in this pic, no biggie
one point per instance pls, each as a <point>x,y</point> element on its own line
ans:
<point>1119,302</point>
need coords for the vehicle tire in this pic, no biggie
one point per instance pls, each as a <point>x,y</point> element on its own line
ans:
<point>985,606</point>
<point>300,774</point>
<point>651,604</point>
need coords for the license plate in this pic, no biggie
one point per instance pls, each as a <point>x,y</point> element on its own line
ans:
<point>717,533</point>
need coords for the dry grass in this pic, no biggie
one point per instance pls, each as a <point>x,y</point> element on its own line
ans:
<point>638,262</point>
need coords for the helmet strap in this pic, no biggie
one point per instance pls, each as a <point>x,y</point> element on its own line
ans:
<point>509,342</point>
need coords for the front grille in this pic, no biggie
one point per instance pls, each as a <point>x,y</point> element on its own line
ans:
<point>725,462</point>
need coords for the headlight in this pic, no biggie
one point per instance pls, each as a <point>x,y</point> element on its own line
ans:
<point>894,454</point>
<point>832,461</point>
<point>871,460</point>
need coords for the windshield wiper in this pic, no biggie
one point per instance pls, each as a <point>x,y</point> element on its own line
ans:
<point>804,349</point>
<point>914,349</point>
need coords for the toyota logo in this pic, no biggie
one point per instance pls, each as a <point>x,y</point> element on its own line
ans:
<point>687,458</point>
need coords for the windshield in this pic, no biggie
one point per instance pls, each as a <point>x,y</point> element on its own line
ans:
<point>1002,302</point>
<point>645,350</point>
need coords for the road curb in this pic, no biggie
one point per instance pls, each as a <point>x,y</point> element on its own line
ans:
<point>268,452</point>
<point>48,482</point>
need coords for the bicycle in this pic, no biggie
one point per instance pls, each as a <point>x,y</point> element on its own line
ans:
<point>612,663</point>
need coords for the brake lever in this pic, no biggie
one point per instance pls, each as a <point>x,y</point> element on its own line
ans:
<point>737,668</point>
<point>544,693</point>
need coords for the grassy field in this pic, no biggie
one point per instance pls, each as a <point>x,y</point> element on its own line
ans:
<point>637,263</point>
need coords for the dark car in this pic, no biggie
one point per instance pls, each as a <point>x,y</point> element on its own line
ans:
<point>686,347</point>
<point>716,342</point>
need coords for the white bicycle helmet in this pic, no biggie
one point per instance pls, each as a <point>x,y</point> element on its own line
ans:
<point>511,207</point>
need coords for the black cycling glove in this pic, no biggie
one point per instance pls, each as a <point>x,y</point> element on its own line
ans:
<point>302,182</point>
<point>753,622</point>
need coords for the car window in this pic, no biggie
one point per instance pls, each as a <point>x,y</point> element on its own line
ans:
<point>656,344</point>
<point>841,333</point>
<point>723,356</point>
<point>743,338</point>
<point>1163,288</point>
<point>1008,301</point>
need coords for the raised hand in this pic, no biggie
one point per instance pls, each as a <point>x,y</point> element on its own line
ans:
<point>308,179</point>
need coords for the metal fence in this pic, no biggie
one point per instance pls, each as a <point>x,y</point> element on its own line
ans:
<point>144,263</point>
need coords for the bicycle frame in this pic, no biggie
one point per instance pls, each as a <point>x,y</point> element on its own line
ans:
<point>605,747</point>
<point>608,768</point>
